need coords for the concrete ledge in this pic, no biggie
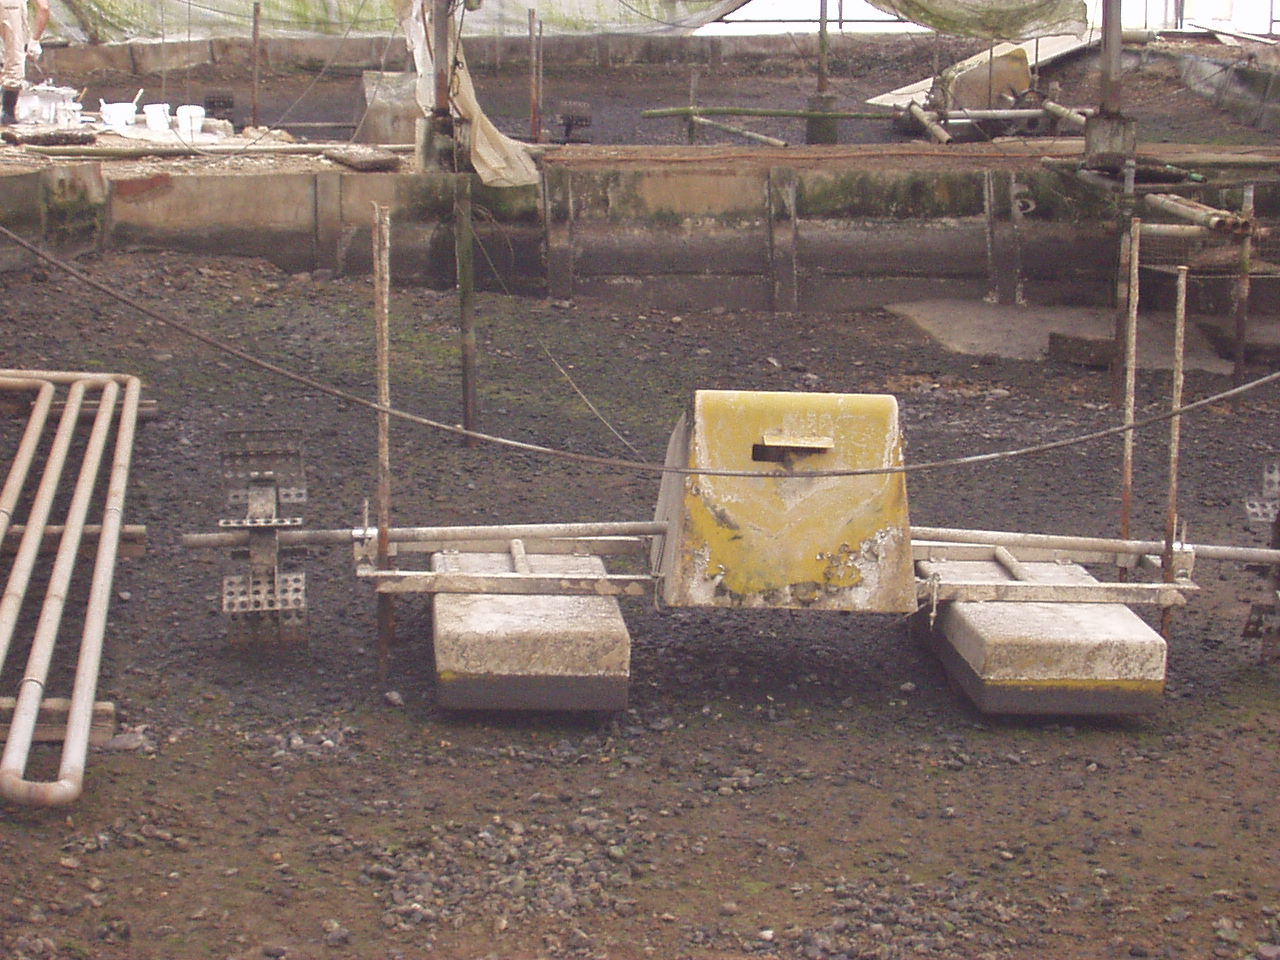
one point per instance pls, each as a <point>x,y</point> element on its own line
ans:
<point>529,652</point>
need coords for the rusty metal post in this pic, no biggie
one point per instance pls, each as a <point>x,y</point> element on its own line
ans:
<point>1241,292</point>
<point>257,28</point>
<point>441,62</point>
<point>382,313</point>
<point>823,48</point>
<point>464,257</point>
<point>1112,41</point>
<point>1130,383</point>
<point>535,99</point>
<point>1175,442</point>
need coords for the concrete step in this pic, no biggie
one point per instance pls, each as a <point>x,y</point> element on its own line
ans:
<point>528,652</point>
<point>1046,658</point>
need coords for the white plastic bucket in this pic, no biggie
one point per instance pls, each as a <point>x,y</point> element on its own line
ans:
<point>156,115</point>
<point>190,120</point>
<point>118,114</point>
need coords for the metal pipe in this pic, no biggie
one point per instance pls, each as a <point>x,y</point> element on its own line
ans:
<point>823,45</point>
<point>464,259</point>
<point>1199,213</point>
<point>930,125</point>
<point>535,119</point>
<point>295,538</point>
<point>37,517</point>
<point>27,709</point>
<point>26,451</point>
<point>1109,94</point>
<point>1050,541</point>
<point>80,716</point>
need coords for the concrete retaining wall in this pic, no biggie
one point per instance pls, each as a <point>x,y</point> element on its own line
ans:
<point>826,237</point>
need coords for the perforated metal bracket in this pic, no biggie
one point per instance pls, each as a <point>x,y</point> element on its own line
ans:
<point>1262,508</point>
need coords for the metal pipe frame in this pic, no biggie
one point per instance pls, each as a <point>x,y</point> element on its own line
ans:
<point>31,692</point>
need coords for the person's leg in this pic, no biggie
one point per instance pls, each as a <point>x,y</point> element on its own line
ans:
<point>13,33</point>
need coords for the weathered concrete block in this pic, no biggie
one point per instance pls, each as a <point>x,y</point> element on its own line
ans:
<point>159,55</point>
<point>1047,658</point>
<point>529,653</point>
<point>88,57</point>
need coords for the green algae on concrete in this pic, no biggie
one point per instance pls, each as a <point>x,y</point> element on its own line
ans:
<point>889,195</point>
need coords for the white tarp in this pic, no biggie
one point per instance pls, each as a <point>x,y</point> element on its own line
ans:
<point>499,160</point>
<point>176,20</point>
<point>992,19</point>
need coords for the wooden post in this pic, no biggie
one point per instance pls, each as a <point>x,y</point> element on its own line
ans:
<point>257,26</point>
<point>989,209</point>
<point>464,257</point>
<point>382,313</point>
<point>1241,292</point>
<point>693,104</point>
<point>1130,385</point>
<point>1175,441</point>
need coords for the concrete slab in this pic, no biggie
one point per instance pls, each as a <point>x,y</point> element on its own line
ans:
<point>528,652</point>
<point>1023,333</point>
<point>1047,658</point>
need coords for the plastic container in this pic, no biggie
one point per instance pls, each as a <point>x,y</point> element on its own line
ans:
<point>118,115</point>
<point>190,120</point>
<point>156,116</point>
<point>67,114</point>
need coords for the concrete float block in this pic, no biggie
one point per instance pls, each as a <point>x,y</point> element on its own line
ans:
<point>1047,658</point>
<point>497,652</point>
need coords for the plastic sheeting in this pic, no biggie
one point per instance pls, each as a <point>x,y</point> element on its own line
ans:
<point>499,160</point>
<point>993,19</point>
<point>176,20</point>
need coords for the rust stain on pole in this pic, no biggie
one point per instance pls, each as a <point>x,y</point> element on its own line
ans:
<point>1241,292</point>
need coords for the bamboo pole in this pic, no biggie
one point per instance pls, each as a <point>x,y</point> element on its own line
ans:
<point>464,257</point>
<point>660,112</point>
<point>692,131</point>
<point>1074,117</point>
<point>727,128</point>
<point>382,312</point>
<point>1175,441</point>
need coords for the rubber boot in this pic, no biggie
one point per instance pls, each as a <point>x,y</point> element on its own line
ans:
<point>9,107</point>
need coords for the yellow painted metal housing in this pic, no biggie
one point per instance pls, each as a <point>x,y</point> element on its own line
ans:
<point>775,539</point>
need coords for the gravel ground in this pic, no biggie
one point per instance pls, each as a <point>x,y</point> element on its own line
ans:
<point>784,785</point>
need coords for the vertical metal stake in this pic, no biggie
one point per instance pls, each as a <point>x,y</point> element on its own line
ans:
<point>535,120</point>
<point>989,208</point>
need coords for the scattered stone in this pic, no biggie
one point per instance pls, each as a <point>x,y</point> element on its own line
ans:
<point>394,698</point>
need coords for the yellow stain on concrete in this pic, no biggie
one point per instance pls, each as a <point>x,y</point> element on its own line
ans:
<point>776,540</point>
